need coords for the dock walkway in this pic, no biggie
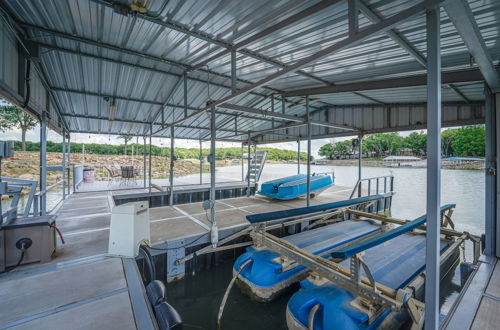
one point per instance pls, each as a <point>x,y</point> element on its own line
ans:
<point>82,288</point>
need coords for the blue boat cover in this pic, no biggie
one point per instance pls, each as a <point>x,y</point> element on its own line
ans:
<point>294,186</point>
<point>379,239</point>
<point>264,271</point>
<point>393,264</point>
<point>275,215</point>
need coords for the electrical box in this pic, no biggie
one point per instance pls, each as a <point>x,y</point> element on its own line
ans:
<point>40,230</point>
<point>129,228</point>
<point>6,149</point>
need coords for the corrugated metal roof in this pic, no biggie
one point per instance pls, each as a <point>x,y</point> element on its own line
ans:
<point>96,54</point>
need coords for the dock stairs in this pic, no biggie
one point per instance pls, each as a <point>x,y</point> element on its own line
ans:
<point>256,165</point>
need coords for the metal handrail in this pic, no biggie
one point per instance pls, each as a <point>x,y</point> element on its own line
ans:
<point>38,196</point>
<point>388,186</point>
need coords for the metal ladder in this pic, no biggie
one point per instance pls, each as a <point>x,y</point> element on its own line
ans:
<point>256,165</point>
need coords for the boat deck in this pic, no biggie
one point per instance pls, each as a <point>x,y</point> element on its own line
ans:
<point>81,280</point>
<point>479,304</point>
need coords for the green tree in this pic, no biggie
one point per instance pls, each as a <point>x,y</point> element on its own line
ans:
<point>416,142</point>
<point>126,139</point>
<point>382,144</point>
<point>12,116</point>
<point>447,139</point>
<point>469,141</point>
<point>327,150</point>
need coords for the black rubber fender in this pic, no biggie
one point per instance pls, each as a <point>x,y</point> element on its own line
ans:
<point>166,316</point>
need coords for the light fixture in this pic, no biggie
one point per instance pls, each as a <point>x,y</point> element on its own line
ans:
<point>112,111</point>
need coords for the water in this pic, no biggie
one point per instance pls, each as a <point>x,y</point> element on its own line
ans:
<point>197,298</point>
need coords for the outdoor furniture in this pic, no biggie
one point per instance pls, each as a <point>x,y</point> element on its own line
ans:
<point>113,175</point>
<point>128,173</point>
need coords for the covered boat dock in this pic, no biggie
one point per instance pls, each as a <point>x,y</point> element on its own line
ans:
<point>256,72</point>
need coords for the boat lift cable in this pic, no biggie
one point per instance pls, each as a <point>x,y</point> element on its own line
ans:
<point>226,294</point>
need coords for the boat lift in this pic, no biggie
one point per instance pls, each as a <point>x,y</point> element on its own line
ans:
<point>376,294</point>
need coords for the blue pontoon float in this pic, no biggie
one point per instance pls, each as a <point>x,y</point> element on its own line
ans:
<point>395,261</point>
<point>295,186</point>
<point>268,275</point>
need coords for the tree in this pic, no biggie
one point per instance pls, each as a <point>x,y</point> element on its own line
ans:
<point>447,138</point>
<point>12,116</point>
<point>469,141</point>
<point>383,144</point>
<point>416,142</point>
<point>125,138</point>
<point>326,150</point>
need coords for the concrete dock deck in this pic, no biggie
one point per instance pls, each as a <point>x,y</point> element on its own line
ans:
<point>82,288</point>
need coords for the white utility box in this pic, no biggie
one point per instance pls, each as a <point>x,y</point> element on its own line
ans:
<point>129,228</point>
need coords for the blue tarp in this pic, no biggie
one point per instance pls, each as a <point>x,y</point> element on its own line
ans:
<point>261,217</point>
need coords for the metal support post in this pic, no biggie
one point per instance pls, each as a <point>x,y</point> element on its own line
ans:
<point>248,170</point>
<point>171,174</point>
<point>201,163</point>
<point>43,163</point>
<point>360,159</point>
<point>150,156</point>
<point>233,71</point>
<point>433,169</point>
<point>490,180</point>
<point>298,156</point>
<point>144,161</point>
<point>63,163</point>
<point>242,163</point>
<point>185,85</point>
<point>214,233</point>
<point>69,164</point>
<point>308,152</point>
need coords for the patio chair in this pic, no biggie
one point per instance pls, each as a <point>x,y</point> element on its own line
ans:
<point>113,176</point>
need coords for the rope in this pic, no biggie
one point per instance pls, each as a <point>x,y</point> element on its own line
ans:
<point>226,294</point>
<point>312,313</point>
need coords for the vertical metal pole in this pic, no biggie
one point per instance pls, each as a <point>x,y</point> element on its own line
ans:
<point>433,169</point>
<point>298,156</point>
<point>43,163</point>
<point>144,165</point>
<point>353,17</point>
<point>308,152</point>
<point>360,159</point>
<point>171,174</point>
<point>233,71</point>
<point>201,163</point>
<point>490,180</point>
<point>214,233</point>
<point>272,109</point>
<point>242,163</point>
<point>64,164</point>
<point>150,156</point>
<point>185,85</point>
<point>248,170</point>
<point>69,164</point>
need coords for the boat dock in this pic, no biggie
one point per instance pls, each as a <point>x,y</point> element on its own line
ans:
<point>104,288</point>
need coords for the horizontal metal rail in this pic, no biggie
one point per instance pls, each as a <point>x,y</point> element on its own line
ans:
<point>387,180</point>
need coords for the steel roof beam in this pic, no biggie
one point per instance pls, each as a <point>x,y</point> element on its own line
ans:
<point>274,28</point>
<point>459,93</point>
<point>282,116</point>
<point>449,77</point>
<point>463,19</point>
<point>383,26</point>
<point>131,99</point>
<point>395,36</point>
<point>139,122</point>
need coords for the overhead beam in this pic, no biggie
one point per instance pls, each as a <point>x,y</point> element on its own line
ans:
<point>393,34</point>
<point>463,19</point>
<point>350,41</point>
<point>282,116</point>
<point>459,93</point>
<point>450,77</point>
<point>274,28</point>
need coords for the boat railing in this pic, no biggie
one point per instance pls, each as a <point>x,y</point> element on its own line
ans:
<point>377,184</point>
<point>37,200</point>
